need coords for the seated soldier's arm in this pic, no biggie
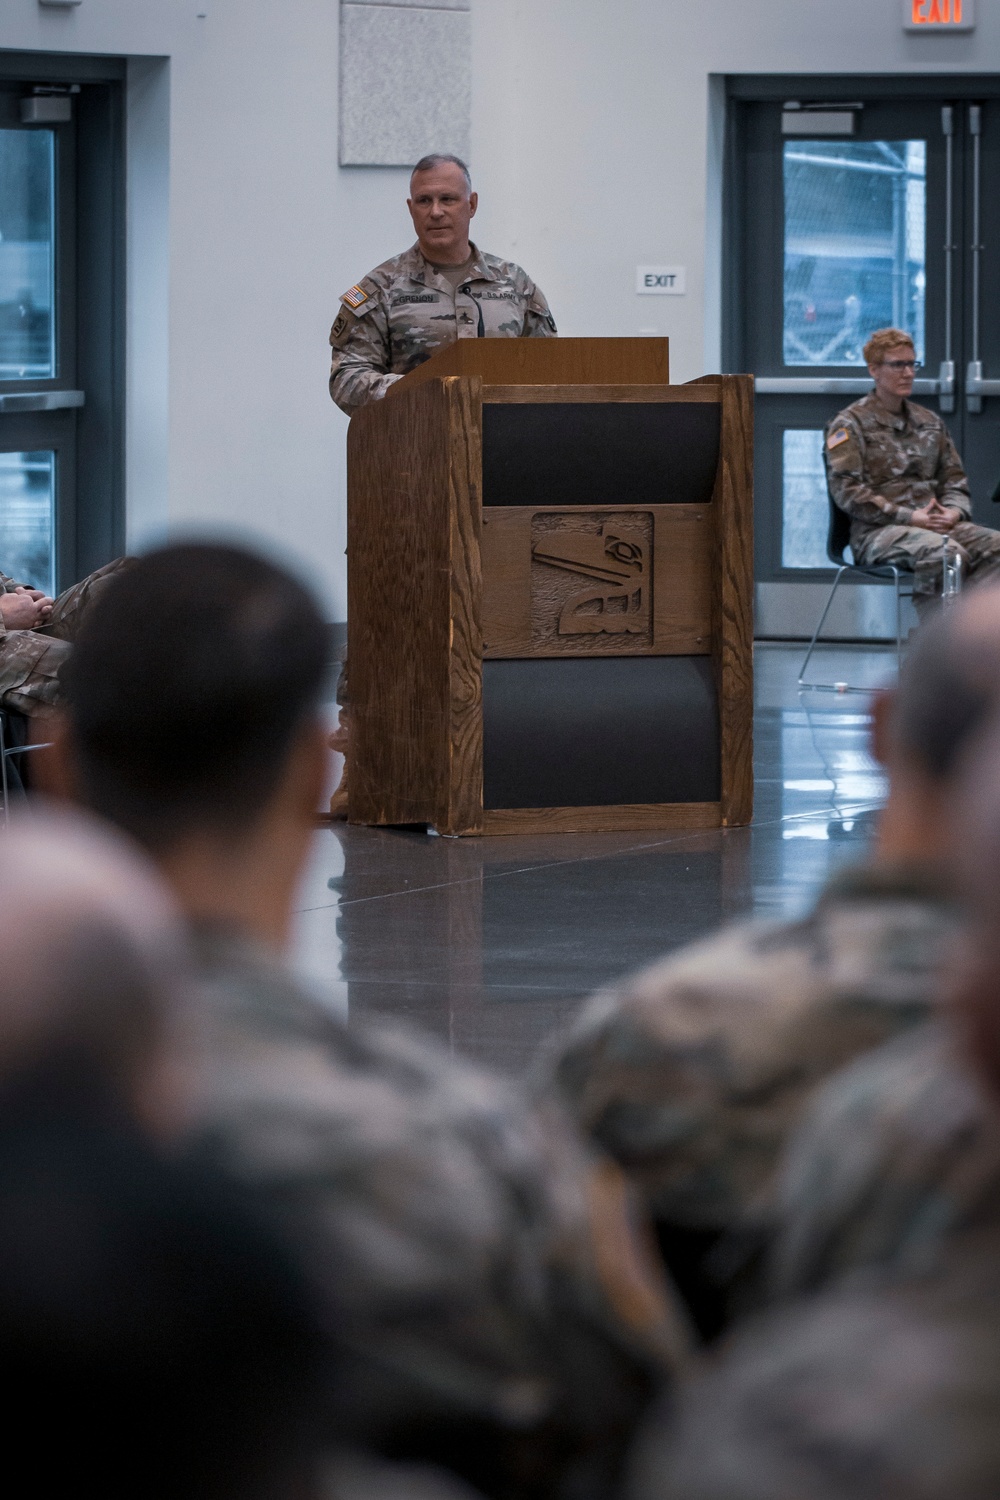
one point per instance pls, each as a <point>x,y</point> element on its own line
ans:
<point>951,483</point>
<point>849,481</point>
<point>23,609</point>
<point>10,585</point>
<point>935,517</point>
<point>359,370</point>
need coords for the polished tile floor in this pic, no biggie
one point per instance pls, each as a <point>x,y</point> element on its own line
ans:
<point>492,943</point>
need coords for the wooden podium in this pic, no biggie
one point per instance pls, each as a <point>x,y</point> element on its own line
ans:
<point>550,590</point>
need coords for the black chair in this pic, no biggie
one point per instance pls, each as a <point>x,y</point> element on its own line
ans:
<point>837,538</point>
<point>15,736</point>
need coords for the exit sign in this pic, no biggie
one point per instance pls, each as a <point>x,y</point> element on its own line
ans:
<point>662,281</point>
<point>939,15</point>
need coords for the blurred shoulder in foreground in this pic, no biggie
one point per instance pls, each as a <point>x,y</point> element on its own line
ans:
<point>695,1074</point>
<point>147,1317</point>
<point>886,1381</point>
<point>483,1275</point>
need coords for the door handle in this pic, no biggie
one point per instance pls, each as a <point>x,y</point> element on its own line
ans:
<point>946,388</point>
<point>810,385</point>
<point>976,387</point>
<point>821,385</point>
<point>16,401</point>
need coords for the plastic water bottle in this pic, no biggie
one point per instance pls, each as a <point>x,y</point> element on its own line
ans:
<point>951,572</point>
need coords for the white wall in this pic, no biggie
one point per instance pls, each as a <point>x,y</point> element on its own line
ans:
<point>592,149</point>
<point>591,132</point>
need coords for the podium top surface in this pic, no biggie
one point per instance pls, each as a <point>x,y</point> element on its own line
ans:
<point>558,361</point>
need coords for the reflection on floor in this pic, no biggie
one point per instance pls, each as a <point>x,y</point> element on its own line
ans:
<point>491,943</point>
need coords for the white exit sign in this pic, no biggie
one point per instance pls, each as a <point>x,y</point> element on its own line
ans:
<point>661,281</point>
<point>939,15</point>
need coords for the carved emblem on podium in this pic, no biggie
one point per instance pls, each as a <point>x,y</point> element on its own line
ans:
<point>591,576</point>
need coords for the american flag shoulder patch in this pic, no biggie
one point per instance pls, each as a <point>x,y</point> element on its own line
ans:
<point>836,438</point>
<point>355,297</point>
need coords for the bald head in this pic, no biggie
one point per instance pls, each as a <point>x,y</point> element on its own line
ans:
<point>90,957</point>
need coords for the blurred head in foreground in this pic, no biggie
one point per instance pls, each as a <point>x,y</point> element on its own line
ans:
<point>92,970</point>
<point>192,722</point>
<point>147,1326</point>
<point>949,686</point>
<point>976,992</point>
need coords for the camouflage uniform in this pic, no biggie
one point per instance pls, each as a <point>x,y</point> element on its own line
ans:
<point>898,1153</point>
<point>351,1474</point>
<point>881,467</point>
<point>402,311</point>
<point>693,1074</point>
<point>30,659</point>
<point>491,1303</point>
<point>870,1393</point>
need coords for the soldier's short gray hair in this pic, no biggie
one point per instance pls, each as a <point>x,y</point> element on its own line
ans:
<point>441,159</point>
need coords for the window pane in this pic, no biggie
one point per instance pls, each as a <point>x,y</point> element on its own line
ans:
<point>27,259</point>
<point>805,507</point>
<point>27,518</point>
<point>855,246</point>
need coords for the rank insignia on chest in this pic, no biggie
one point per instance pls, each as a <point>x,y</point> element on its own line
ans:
<point>355,297</point>
<point>836,438</point>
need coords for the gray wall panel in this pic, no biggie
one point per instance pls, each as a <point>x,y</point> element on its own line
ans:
<point>405,83</point>
<point>418,4</point>
<point>861,611</point>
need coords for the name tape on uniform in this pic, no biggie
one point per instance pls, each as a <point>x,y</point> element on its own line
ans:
<point>661,281</point>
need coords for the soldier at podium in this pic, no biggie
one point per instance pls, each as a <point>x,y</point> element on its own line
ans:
<point>442,289</point>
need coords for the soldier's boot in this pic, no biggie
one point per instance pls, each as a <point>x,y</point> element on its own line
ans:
<point>340,740</point>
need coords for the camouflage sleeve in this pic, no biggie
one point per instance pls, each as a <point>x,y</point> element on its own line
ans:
<point>7,586</point>
<point>658,1071</point>
<point>475,1258</point>
<point>950,479</point>
<point>859,1396</point>
<point>356,1473</point>
<point>845,468</point>
<point>359,370</point>
<point>538,320</point>
<point>896,1152</point>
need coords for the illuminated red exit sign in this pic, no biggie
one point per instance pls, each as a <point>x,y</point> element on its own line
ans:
<point>939,15</point>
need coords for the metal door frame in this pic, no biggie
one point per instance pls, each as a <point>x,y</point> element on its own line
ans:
<point>965,385</point>
<point>80,413</point>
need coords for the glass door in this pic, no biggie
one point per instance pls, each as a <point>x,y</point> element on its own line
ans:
<point>856,215</point>
<point>62,316</point>
<point>39,396</point>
